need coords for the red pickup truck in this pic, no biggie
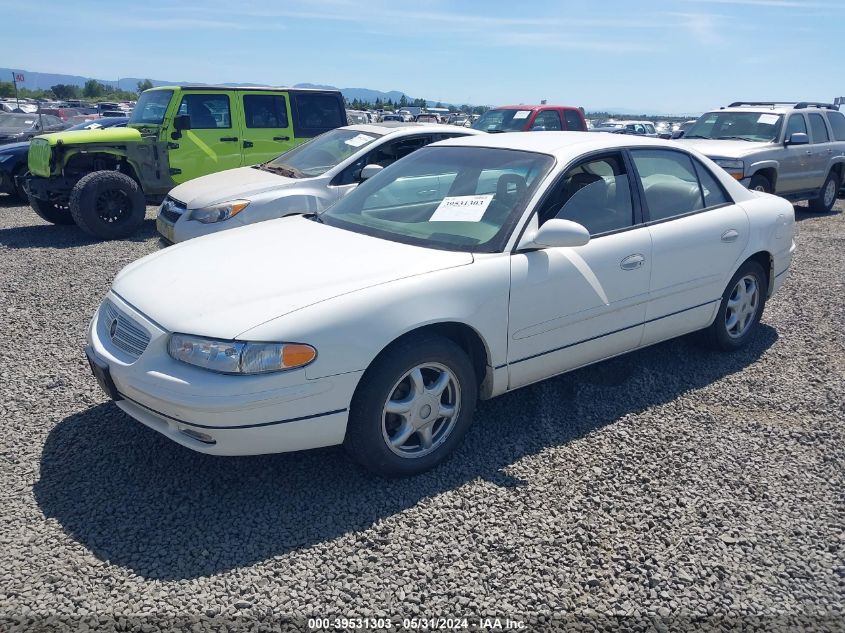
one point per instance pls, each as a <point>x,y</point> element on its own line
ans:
<point>522,118</point>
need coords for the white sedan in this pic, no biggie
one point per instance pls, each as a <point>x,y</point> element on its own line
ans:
<point>468,269</point>
<point>310,177</point>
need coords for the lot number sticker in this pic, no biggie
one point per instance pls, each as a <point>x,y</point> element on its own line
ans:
<point>522,114</point>
<point>461,208</point>
<point>768,118</point>
<point>358,141</point>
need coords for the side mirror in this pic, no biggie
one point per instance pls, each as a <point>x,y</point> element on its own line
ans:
<point>798,138</point>
<point>557,233</point>
<point>369,171</point>
<point>182,122</point>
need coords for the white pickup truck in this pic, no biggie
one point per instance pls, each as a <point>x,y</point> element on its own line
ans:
<point>795,150</point>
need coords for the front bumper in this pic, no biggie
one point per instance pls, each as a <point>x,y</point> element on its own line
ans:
<point>219,414</point>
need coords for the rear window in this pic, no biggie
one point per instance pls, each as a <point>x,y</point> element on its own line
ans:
<point>837,122</point>
<point>265,111</point>
<point>317,113</point>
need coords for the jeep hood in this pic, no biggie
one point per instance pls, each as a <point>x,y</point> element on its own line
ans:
<point>231,184</point>
<point>724,148</point>
<point>225,284</point>
<point>101,135</point>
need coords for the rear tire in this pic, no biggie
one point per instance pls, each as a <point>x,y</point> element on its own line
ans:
<point>108,205</point>
<point>740,310</point>
<point>399,419</point>
<point>827,195</point>
<point>760,183</point>
<point>51,212</point>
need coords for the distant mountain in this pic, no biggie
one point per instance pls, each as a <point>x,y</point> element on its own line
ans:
<point>43,81</point>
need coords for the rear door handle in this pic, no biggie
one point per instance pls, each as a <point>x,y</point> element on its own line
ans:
<point>248,143</point>
<point>229,139</point>
<point>281,138</point>
<point>730,235</point>
<point>632,262</point>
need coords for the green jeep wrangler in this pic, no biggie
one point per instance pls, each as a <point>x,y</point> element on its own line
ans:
<point>103,179</point>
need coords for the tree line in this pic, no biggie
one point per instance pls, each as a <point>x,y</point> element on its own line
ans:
<point>92,90</point>
<point>404,102</point>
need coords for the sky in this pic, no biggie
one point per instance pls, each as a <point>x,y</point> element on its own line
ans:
<point>669,56</point>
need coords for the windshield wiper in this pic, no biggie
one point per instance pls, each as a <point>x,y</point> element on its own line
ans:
<point>694,136</point>
<point>495,131</point>
<point>283,170</point>
<point>736,138</point>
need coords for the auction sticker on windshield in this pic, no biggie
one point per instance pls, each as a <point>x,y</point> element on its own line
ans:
<point>358,141</point>
<point>522,114</point>
<point>768,118</point>
<point>461,208</point>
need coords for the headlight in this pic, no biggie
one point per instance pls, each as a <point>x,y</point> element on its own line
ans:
<point>219,212</point>
<point>735,168</point>
<point>239,357</point>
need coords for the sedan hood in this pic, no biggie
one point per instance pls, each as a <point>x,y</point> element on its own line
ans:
<point>224,284</point>
<point>723,148</point>
<point>231,184</point>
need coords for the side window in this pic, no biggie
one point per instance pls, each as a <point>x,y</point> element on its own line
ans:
<point>669,182</point>
<point>547,120</point>
<point>819,128</point>
<point>265,111</point>
<point>712,190</point>
<point>837,122</point>
<point>573,121</point>
<point>317,113</point>
<point>795,125</point>
<point>649,128</point>
<point>595,193</point>
<point>207,111</point>
<point>383,155</point>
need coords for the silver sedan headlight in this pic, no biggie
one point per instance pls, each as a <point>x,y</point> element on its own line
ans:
<point>218,212</point>
<point>239,357</point>
<point>735,168</point>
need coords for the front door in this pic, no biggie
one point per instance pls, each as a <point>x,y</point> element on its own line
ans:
<point>267,131</point>
<point>794,172</point>
<point>573,306</point>
<point>213,142</point>
<point>697,236</point>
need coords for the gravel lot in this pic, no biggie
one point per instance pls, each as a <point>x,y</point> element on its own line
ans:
<point>670,487</point>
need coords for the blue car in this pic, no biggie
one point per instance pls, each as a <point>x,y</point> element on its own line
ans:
<point>13,156</point>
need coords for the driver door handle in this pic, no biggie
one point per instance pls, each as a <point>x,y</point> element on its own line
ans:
<point>730,235</point>
<point>632,262</point>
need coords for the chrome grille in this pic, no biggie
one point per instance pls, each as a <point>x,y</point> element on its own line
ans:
<point>172,209</point>
<point>123,331</point>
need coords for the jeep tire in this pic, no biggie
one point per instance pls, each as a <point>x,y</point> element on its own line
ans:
<point>51,212</point>
<point>827,194</point>
<point>108,205</point>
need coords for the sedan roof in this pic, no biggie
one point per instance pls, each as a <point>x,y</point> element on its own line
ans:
<point>558,144</point>
<point>397,128</point>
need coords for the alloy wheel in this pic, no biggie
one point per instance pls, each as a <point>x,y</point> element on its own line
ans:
<point>742,306</point>
<point>421,410</point>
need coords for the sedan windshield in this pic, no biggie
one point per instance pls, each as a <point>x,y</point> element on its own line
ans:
<point>502,120</point>
<point>151,107</point>
<point>17,121</point>
<point>450,198</point>
<point>744,126</point>
<point>320,154</point>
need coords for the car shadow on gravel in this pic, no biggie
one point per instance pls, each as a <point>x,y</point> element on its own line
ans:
<point>142,502</point>
<point>62,236</point>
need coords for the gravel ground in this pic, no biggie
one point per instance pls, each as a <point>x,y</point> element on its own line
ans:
<point>672,487</point>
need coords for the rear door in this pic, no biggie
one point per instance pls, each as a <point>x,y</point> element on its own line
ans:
<point>820,148</point>
<point>213,142</point>
<point>267,131</point>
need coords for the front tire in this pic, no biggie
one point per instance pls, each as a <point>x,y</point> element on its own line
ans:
<point>760,183</point>
<point>740,310</point>
<point>412,407</point>
<point>827,196</point>
<point>108,205</point>
<point>51,212</point>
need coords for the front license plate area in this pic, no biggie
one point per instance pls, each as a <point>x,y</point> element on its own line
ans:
<point>165,229</point>
<point>103,376</point>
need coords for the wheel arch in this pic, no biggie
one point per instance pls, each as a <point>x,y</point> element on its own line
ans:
<point>767,262</point>
<point>102,159</point>
<point>465,337</point>
<point>769,171</point>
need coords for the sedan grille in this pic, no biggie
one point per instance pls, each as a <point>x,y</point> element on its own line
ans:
<point>172,209</point>
<point>123,331</point>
